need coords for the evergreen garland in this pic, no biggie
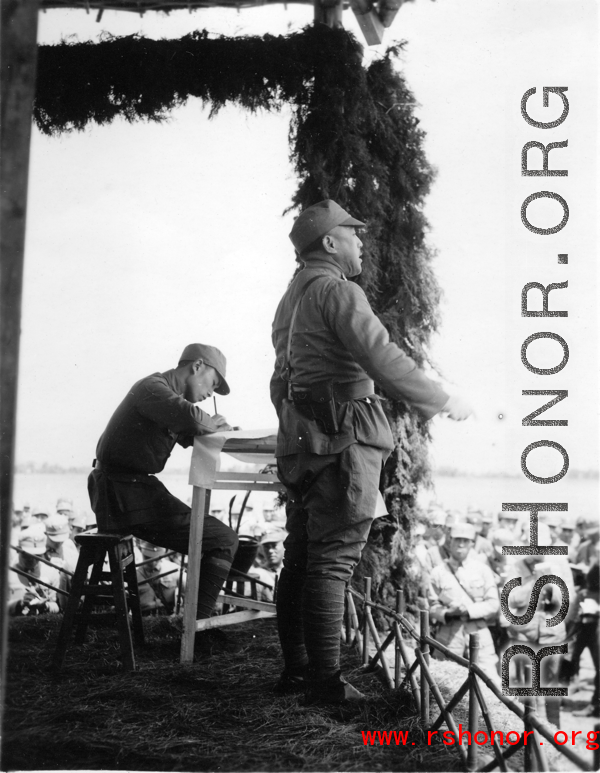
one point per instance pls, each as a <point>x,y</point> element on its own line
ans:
<point>354,138</point>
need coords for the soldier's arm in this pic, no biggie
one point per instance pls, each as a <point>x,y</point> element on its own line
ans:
<point>490,603</point>
<point>349,314</point>
<point>278,390</point>
<point>172,411</point>
<point>437,610</point>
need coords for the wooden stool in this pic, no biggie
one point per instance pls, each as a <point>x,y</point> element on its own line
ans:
<point>116,587</point>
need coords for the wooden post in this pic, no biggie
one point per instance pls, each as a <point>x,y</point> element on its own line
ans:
<point>397,653</point>
<point>328,12</point>
<point>365,642</point>
<point>424,648</point>
<point>473,703</point>
<point>528,758</point>
<point>18,69</point>
<point>200,499</point>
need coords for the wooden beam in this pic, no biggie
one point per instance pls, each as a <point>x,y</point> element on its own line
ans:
<point>328,12</point>
<point>17,83</point>
<point>369,21</point>
<point>387,11</point>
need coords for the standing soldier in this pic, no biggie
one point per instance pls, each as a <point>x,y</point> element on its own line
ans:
<point>333,439</point>
<point>463,599</point>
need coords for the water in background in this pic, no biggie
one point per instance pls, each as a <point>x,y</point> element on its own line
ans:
<point>44,489</point>
<point>454,492</point>
<point>488,493</point>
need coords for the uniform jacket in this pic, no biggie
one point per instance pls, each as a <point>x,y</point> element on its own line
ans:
<point>136,443</point>
<point>338,338</point>
<point>24,589</point>
<point>536,631</point>
<point>472,584</point>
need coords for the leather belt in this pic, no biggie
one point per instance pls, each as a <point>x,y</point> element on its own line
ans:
<point>341,393</point>
<point>110,469</point>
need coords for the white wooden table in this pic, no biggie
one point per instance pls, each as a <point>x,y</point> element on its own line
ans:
<point>259,449</point>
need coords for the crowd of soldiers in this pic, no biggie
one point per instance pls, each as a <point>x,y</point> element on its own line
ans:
<point>44,556</point>
<point>458,568</point>
<point>460,571</point>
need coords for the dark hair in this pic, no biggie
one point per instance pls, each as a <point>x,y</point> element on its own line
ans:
<point>183,363</point>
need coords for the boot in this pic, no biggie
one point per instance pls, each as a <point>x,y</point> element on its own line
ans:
<point>323,612</point>
<point>332,691</point>
<point>291,629</point>
<point>213,573</point>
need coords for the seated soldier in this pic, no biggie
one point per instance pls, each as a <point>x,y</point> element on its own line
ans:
<point>60,548</point>
<point>463,599</point>
<point>271,546</point>
<point>157,412</point>
<point>27,596</point>
<point>158,580</point>
<point>61,551</point>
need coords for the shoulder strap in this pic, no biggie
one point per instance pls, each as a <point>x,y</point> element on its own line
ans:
<point>287,365</point>
<point>447,562</point>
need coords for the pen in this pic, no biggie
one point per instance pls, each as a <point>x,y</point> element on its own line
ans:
<point>215,403</point>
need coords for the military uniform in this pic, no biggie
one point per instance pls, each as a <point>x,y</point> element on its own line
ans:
<point>125,494</point>
<point>27,595</point>
<point>471,583</point>
<point>332,480</point>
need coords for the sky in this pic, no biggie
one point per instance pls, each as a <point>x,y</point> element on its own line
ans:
<point>142,238</point>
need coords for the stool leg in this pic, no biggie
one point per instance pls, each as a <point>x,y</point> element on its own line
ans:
<point>88,601</point>
<point>77,587</point>
<point>121,609</point>
<point>134,603</point>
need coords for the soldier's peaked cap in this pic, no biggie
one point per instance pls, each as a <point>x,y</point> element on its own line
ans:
<point>318,220</point>
<point>211,356</point>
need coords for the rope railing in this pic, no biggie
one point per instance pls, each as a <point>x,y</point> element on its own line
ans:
<point>367,638</point>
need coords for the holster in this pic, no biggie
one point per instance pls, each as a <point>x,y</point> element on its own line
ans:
<point>317,402</point>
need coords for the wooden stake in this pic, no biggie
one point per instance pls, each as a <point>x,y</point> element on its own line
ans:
<point>18,69</point>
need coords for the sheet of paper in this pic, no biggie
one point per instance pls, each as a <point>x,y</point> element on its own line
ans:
<point>206,456</point>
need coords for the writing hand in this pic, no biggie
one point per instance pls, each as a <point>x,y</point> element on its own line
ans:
<point>221,422</point>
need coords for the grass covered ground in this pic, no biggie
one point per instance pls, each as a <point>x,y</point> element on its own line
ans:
<point>217,714</point>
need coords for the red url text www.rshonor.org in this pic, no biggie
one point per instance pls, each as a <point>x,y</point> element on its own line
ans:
<point>481,738</point>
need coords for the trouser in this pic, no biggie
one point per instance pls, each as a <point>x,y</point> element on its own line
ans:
<point>142,506</point>
<point>520,676</point>
<point>331,505</point>
<point>588,636</point>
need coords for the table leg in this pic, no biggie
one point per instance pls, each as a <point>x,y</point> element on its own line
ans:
<point>200,500</point>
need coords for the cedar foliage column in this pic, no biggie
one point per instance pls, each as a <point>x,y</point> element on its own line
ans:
<point>356,140</point>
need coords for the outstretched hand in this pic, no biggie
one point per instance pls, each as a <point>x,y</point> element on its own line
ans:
<point>457,408</point>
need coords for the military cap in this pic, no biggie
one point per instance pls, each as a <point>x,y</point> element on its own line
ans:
<point>319,220</point>
<point>501,538</point>
<point>474,517</point>
<point>553,520</point>
<point>463,531</point>
<point>57,528</point>
<point>508,515</point>
<point>211,356</point>
<point>33,540</point>
<point>64,504</point>
<point>275,535</point>
<point>40,512</point>
<point>486,517</point>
